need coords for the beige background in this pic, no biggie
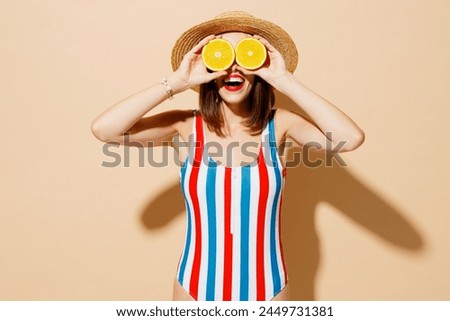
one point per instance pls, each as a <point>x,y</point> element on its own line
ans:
<point>71,229</point>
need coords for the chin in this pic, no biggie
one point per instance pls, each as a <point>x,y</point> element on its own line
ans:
<point>234,89</point>
<point>234,99</point>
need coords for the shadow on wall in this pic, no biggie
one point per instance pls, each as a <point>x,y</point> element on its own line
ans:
<point>305,189</point>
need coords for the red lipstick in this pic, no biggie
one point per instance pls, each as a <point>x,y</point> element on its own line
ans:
<point>234,82</point>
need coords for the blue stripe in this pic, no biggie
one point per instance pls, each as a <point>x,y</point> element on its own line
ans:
<point>273,234</point>
<point>212,236</point>
<point>245,231</point>
<point>189,228</point>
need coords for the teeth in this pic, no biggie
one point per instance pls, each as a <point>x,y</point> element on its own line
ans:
<point>235,79</point>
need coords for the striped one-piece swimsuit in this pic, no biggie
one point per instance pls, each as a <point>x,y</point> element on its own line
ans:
<point>233,247</point>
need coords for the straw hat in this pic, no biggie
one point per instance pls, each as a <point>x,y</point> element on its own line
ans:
<point>241,22</point>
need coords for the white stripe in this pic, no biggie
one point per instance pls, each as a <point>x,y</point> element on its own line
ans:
<point>254,178</point>
<point>266,145</point>
<point>278,244</point>
<point>236,228</point>
<point>201,192</point>
<point>220,221</point>
<point>189,253</point>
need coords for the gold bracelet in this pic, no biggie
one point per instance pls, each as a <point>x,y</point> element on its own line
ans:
<point>168,89</point>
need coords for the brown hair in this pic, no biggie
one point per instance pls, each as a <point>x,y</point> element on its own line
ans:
<point>261,100</point>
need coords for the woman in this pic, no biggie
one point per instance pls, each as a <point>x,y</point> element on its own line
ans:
<point>233,192</point>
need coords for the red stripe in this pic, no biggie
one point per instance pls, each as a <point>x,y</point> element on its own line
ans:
<point>193,285</point>
<point>262,203</point>
<point>228,247</point>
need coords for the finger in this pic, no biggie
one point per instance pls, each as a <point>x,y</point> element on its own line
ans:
<point>246,71</point>
<point>217,74</point>
<point>188,58</point>
<point>266,43</point>
<point>196,49</point>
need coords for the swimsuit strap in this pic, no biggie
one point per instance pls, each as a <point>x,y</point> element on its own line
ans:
<point>199,138</point>
<point>272,138</point>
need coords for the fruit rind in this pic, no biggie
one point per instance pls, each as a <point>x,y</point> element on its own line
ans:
<point>258,45</point>
<point>227,61</point>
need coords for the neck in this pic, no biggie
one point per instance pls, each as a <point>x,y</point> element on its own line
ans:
<point>233,116</point>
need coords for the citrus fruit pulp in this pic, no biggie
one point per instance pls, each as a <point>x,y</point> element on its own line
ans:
<point>250,53</point>
<point>218,54</point>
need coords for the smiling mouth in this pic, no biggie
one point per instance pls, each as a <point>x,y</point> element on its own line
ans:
<point>234,82</point>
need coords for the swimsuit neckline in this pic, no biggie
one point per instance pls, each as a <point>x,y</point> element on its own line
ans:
<point>247,164</point>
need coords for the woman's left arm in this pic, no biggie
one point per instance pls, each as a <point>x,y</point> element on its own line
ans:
<point>331,126</point>
<point>334,124</point>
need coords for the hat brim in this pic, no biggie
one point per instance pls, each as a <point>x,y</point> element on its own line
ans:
<point>277,37</point>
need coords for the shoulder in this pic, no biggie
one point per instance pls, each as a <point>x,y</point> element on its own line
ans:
<point>285,115</point>
<point>292,124</point>
<point>286,119</point>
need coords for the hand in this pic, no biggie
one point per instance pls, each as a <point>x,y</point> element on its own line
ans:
<point>192,70</point>
<point>275,71</point>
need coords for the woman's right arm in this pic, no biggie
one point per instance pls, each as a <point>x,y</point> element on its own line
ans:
<point>127,116</point>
